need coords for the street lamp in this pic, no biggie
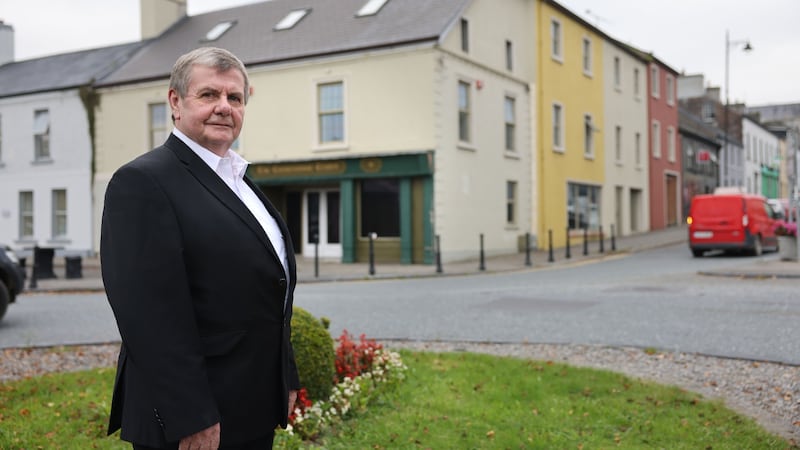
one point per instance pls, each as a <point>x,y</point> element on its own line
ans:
<point>746,47</point>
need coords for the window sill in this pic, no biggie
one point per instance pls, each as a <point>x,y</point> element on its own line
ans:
<point>619,164</point>
<point>42,161</point>
<point>589,157</point>
<point>557,58</point>
<point>512,227</point>
<point>561,150</point>
<point>466,146</point>
<point>62,241</point>
<point>511,154</point>
<point>330,147</point>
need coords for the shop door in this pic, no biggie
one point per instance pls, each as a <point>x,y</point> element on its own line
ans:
<point>321,223</point>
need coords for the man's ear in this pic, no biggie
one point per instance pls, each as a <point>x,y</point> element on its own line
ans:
<point>173,98</point>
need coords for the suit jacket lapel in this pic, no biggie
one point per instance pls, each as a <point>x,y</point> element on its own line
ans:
<point>287,242</point>
<point>214,184</point>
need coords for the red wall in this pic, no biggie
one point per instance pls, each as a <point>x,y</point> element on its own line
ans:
<point>666,113</point>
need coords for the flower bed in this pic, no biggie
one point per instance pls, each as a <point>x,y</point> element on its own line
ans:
<point>364,370</point>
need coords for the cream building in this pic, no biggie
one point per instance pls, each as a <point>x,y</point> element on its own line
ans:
<point>408,119</point>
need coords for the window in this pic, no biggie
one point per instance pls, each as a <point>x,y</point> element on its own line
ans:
<point>671,144</point>
<point>637,92</point>
<point>41,134</point>
<point>509,56</point>
<point>617,73</point>
<point>371,8</point>
<point>291,19</point>
<point>618,143</point>
<point>331,112</point>
<point>555,39</point>
<point>380,207</point>
<point>218,30</point>
<point>158,124</point>
<point>463,111</point>
<point>707,111</point>
<point>511,202</point>
<point>587,56</point>
<point>638,149</point>
<point>59,213</point>
<point>655,90</point>
<point>656,139</point>
<point>588,136</point>
<point>511,123</point>
<point>583,206</point>
<point>670,90</point>
<point>558,127</point>
<point>26,214</point>
<point>464,35</point>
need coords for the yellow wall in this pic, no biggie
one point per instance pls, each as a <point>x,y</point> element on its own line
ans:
<point>566,83</point>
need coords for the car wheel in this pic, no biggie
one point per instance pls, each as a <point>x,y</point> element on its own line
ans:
<point>697,253</point>
<point>758,249</point>
<point>5,298</point>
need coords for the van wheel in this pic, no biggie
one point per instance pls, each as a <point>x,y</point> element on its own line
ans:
<point>758,249</point>
<point>697,253</point>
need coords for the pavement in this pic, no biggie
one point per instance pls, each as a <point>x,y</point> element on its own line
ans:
<point>331,271</point>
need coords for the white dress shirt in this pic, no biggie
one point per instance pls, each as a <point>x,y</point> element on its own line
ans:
<point>231,170</point>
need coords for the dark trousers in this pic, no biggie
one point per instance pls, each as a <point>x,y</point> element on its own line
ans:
<point>264,443</point>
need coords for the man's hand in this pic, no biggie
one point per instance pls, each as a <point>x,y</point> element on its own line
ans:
<point>292,399</point>
<point>207,439</point>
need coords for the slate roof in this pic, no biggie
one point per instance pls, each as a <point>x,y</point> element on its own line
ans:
<point>330,27</point>
<point>63,71</point>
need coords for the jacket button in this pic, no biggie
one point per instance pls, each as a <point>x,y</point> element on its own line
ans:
<point>282,283</point>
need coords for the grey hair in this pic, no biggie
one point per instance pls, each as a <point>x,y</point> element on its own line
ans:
<point>214,57</point>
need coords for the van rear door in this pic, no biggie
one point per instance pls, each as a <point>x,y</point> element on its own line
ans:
<point>717,219</point>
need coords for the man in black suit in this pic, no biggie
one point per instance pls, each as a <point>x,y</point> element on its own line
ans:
<point>199,270</point>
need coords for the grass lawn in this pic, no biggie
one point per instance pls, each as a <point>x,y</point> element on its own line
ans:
<point>448,401</point>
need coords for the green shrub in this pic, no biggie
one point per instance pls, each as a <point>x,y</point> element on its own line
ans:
<point>314,353</point>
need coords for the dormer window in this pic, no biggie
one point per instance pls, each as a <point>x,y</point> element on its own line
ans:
<point>218,30</point>
<point>291,19</point>
<point>371,8</point>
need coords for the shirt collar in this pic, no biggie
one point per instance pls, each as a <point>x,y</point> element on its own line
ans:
<point>237,163</point>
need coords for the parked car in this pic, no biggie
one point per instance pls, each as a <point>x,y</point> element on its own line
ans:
<point>731,222</point>
<point>12,278</point>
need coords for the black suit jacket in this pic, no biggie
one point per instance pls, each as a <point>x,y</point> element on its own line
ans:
<point>198,294</point>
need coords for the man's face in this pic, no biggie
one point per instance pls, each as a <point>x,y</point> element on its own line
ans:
<point>212,112</point>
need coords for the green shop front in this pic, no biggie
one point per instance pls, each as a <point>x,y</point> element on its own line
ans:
<point>334,206</point>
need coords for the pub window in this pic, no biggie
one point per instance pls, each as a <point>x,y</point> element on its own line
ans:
<point>380,207</point>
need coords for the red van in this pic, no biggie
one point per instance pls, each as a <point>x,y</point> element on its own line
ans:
<point>731,222</point>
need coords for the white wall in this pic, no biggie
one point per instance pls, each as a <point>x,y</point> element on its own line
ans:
<point>760,147</point>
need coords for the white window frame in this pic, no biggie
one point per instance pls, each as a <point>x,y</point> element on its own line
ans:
<point>656,139</point>
<point>464,112</point>
<point>638,149</point>
<point>511,202</point>
<point>59,215</point>
<point>41,135</point>
<point>670,89</point>
<point>655,88</point>
<point>588,136</point>
<point>671,150</point>
<point>618,144</point>
<point>464,30</point>
<point>24,213</point>
<point>586,52</point>
<point>510,121</point>
<point>319,113</point>
<point>637,84</point>
<point>558,125</point>
<point>617,73</point>
<point>157,132</point>
<point>509,55</point>
<point>556,40</point>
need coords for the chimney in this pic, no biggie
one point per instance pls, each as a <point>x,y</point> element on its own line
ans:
<point>158,15</point>
<point>6,43</point>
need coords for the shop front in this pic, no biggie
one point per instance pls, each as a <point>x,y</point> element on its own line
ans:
<point>333,207</point>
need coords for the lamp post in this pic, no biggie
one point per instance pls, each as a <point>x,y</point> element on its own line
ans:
<point>747,47</point>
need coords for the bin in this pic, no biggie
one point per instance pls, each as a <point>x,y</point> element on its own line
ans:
<point>72,265</point>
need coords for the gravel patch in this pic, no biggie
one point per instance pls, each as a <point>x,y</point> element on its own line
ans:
<point>768,392</point>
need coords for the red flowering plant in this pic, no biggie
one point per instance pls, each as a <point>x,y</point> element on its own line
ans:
<point>354,358</point>
<point>783,228</point>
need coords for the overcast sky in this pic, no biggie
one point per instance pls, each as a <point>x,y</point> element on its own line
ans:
<point>689,35</point>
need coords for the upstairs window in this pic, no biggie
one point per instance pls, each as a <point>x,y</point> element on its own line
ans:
<point>59,213</point>
<point>218,30</point>
<point>555,40</point>
<point>371,8</point>
<point>464,35</point>
<point>655,88</point>
<point>637,86</point>
<point>41,135</point>
<point>670,89</point>
<point>291,19</point>
<point>511,123</point>
<point>671,150</point>
<point>656,139</point>
<point>464,112</point>
<point>509,56</point>
<point>587,56</point>
<point>618,144</point>
<point>158,124</point>
<point>511,202</point>
<point>331,112</point>
<point>558,127</point>
<point>617,73</point>
<point>588,136</point>
<point>26,214</point>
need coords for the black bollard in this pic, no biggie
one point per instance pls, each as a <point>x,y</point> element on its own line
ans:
<point>602,239</point>
<point>568,255</point>
<point>585,241</point>
<point>34,269</point>
<point>528,249</point>
<point>438,255</point>
<point>613,239</point>
<point>482,265</point>
<point>550,257</point>
<point>372,237</point>
<point>316,256</point>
